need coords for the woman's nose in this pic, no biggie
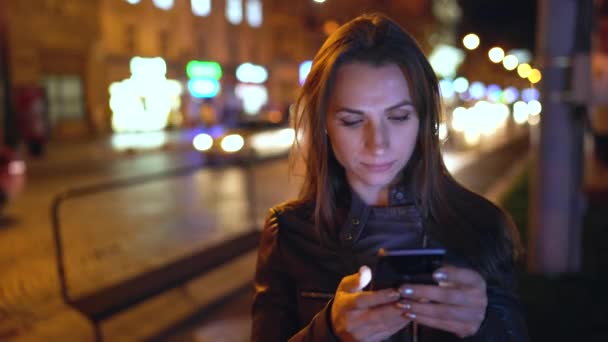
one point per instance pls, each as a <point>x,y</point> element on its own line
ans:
<point>377,138</point>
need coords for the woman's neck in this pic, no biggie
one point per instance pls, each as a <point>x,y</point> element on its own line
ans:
<point>373,197</point>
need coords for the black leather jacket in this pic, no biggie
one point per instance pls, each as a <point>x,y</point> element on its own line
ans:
<point>298,272</point>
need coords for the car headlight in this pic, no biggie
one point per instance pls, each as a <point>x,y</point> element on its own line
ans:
<point>202,142</point>
<point>232,143</point>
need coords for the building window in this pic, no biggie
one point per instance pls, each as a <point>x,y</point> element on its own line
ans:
<point>65,97</point>
<point>164,4</point>
<point>234,11</point>
<point>201,8</point>
<point>254,13</point>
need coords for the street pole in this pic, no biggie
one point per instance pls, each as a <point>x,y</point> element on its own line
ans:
<point>554,245</point>
<point>8,127</point>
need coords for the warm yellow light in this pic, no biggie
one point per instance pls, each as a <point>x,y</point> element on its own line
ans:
<point>471,41</point>
<point>232,143</point>
<point>523,70</point>
<point>510,62</point>
<point>472,137</point>
<point>496,54</point>
<point>330,26</point>
<point>533,120</point>
<point>535,76</point>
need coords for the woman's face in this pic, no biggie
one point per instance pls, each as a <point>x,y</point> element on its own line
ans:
<point>372,124</point>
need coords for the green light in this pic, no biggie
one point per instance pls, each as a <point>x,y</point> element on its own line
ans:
<point>200,69</point>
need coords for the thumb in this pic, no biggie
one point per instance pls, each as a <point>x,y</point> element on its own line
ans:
<point>356,281</point>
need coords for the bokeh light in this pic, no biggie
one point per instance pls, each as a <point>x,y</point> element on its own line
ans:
<point>202,142</point>
<point>510,62</point>
<point>535,76</point>
<point>461,84</point>
<point>471,41</point>
<point>496,54</point>
<point>523,70</point>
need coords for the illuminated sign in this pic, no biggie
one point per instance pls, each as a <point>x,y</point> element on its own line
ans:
<point>202,69</point>
<point>203,87</point>
<point>254,97</point>
<point>144,101</point>
<point>251,73</point>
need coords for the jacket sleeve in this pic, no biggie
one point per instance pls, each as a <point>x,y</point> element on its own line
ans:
<point>274,310</point>
<point>504,317</point>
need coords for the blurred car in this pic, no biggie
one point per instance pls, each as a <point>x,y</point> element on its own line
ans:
<point>12,175</point>
<point>251,140</point>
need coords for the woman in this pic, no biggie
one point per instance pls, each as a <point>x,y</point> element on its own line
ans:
<point>375,179</point>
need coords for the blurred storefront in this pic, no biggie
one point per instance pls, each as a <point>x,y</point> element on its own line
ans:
<point>75,50</point>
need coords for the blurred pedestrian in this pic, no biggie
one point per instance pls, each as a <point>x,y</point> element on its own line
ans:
<point>374,178</point>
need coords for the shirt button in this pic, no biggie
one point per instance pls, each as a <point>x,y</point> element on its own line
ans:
<point>355,221</point>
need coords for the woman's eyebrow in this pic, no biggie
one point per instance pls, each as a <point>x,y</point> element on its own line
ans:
<point>360,112</point>
<point>399,104</point>
<point>348,110</point>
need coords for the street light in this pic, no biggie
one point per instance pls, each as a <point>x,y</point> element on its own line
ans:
<point>535,76</point>
<point>523,70</point>
<point>471,41</point>
<point>510,62</point>
<point>496,54</point>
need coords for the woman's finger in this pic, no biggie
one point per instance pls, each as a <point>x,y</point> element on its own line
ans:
<point>368,299</point>
<point>383,322</point>
<point>446,295</point>
<point>460,329</point>
<point>388,331</point>
<point>444,311</point>
<point>461,277</point>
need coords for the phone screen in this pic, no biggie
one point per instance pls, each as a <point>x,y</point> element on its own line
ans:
<point>413,266</point>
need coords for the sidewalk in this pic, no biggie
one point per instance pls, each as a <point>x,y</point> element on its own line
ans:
<point>114,146</point>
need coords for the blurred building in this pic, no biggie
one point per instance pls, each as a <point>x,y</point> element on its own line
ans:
<point>76,49</point>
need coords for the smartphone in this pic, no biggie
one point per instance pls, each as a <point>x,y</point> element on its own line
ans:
<point>413,266</point>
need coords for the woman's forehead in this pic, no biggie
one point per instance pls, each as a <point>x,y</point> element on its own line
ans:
<point>366,84</point>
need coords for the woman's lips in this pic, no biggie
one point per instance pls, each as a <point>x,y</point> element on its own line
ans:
<point>378,167</point>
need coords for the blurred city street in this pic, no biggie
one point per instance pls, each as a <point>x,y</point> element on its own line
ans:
<point>111,236</point>
<point>154,136</point>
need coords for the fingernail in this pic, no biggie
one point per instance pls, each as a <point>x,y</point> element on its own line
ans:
<point>407,291</point>
<point>411,315</point>
<point>440,276</point>
<point>394,295</point>
<point>404,306</point>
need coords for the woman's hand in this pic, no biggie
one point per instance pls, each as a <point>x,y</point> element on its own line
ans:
<point>358,315</point>
<point>457,305</point>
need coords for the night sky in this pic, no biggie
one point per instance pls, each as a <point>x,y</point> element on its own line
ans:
<point>509,24</point>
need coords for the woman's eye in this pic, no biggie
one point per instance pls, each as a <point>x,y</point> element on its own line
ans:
<point>399,118</point>
<point>350,122</point>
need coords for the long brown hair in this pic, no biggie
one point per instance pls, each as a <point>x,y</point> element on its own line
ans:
<point>377,40</point>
